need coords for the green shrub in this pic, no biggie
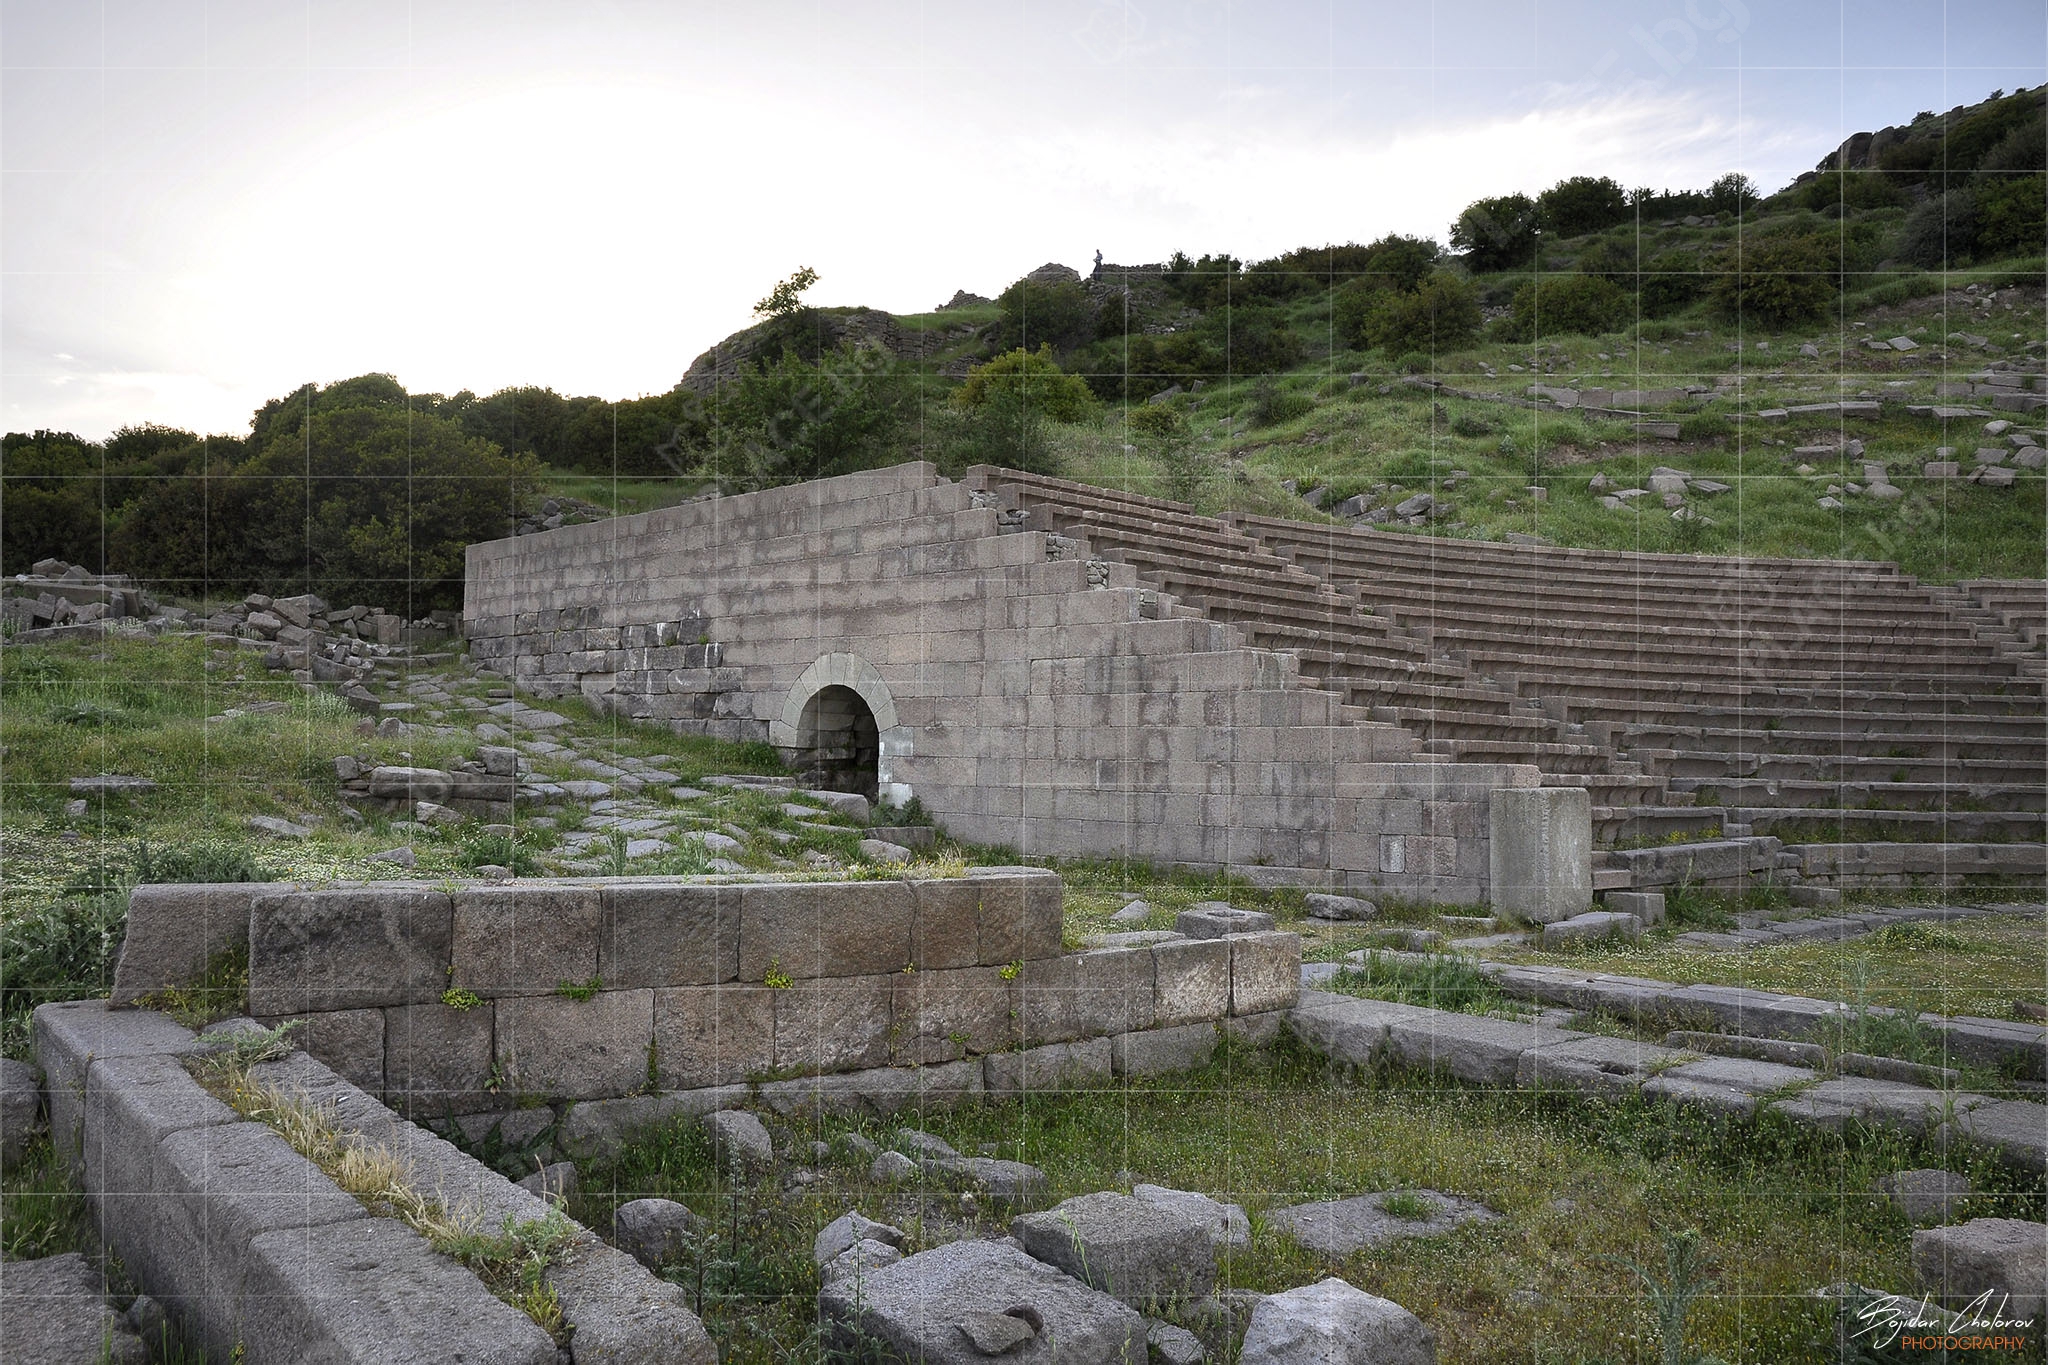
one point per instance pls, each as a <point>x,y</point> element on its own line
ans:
<point>1441,314</point>
<point>1581,204</point>
<point>205,860</point>
<point>1033,377</point>
<point>1271,405</point>
<point>1556,305</point>
<point>62,949</point>
<point>1497,233</point>
<point>1672,280</point>
<point>2012,214</point>
<point>1775,282</point>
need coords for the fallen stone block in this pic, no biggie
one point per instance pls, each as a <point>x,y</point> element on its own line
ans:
<point>1084,1065</point>
<point>1592,927</point>
<point>1214,919</point>
<point>1139,1251</point>
<point>1227,1224</point>
<point>1322,905</point>
<point>2002,1257</point>
<point>940,1306</point>
<point>739,1137</point>
<point>1926,1196</point>
<point>848,1229</point>
<point>1341,1227</point>
<point>1156,1052</point>
<point>1334,1323</point>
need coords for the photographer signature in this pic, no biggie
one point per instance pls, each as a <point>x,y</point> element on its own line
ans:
<point>1894,1314</point>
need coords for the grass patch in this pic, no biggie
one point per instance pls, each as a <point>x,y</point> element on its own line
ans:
<point>1440,981</point>
<point>42,1213</point>
<point>1976,966</point>
<point>1781,1210</point>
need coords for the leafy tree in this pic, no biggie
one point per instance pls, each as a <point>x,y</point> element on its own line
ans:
<point>1776,282</point>
<point>1581,204</point>
<point>787,298</point>
<point>1733,193</point>
<point>1252,338</point>
<point>1497,233</point>
<point>376,504</point>
<point>51,491</point>
<point>1440,314</point>
<point>1036,377</point>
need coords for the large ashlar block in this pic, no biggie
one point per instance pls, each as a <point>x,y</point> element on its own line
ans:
<point>825,929</point>
<point>175,929</point>
<point>525,939</point>
<point>1541,852</point>
<point>353,949</point>
<point>713,1035</point>
<point>566,1048</point>
<point>669,935</point>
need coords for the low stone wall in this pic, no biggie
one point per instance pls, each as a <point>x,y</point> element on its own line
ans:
<point>261,1258</point>
<point>481,999</point>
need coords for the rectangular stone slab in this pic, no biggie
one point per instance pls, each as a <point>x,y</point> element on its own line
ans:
<point>373,1293</point>
<point>350,949</point>
<point>1472,1048</point>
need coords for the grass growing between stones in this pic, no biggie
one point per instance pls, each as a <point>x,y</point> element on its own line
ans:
<point>1976,966</point>
<point>42,1213</point>
<point>511,1261</point>
<point>1781,1212</point>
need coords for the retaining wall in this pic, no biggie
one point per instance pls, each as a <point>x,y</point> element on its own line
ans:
<point>1029,697</point>
<point>259,1257</point>
<point>480,999</point>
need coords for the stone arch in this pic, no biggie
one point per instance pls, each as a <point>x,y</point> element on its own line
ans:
<point>840,720</point>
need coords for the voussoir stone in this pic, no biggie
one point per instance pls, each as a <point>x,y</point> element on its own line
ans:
<point>935,1307</point>
<point>1139,1250</point>
<point>1335,1323</point>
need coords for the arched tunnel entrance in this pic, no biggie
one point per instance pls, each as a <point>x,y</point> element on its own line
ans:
<point>839,746</point>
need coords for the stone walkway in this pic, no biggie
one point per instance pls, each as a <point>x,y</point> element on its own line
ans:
<point>1532,1055</point>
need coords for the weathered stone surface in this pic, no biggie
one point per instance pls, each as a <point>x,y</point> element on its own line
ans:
<point>713,1035</point>
<point>175,929</point>
<point>1995,1256</point>
<point>55,1313</point>
<point>1265,972</point>
<point>526,939</point>
<point>1333,1323</point>
<point>371,1293</point>
<point>21,1108</point>
<point>1322,905</point>
<point>838,1024</point>
<point>825,929</point>
<point>1138,1250</point>
<point>1086,995</point>
<point>1171,1345</point>
<point>858,1261</point>
<point>211,1190</point>
<point>1190,981</point>
<point>565,1048</point>
<point>740,1138</point>
<point>916,1142</point>
<point>652,1231</point>
<point>1214,919</point>
<point>1157,1051</point>
<point>1348,1029</point>
<point>1003,1179</point>
<point>338,950</point>
<point>1540,847</point>
<point>1591,927</point>
<point>933,1307</point>
<point>1339,1227</point>
<point>599,1127</point>
<point>946,932</point>
<point>439,1058</point>
<point>1084,1065</point>
<point>555,1181</point>
<point>847,1229</point>
<point>1597,1065</point>
<point>892,1168</point>
<point>2016,1129</point>
<point>938,1016</point>
<point>1226,1223</point>
<point>71,1034</point>
<point>350,1041</point>
<point>1470,1047</point>
<point>1926,1196</point>
<point>620,1315</point>
<point>879,1092</point>
<point>1022,915</point>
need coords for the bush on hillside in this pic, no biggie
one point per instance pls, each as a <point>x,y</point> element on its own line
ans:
<point>1555,305</point>
<point>2012,215</point>
<point>1036,378</point>
<point>1440,314</point>
<point>1775,282</point>
<point>1671,280</point>
<point>791,420</point>
<point>1059,314</point>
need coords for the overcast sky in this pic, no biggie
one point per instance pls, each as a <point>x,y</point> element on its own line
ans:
<point>205,204</point>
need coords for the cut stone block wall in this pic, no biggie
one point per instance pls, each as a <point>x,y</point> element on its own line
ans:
<point>1030,697</point>
<point>481,999</point>
<point>260,1257</point>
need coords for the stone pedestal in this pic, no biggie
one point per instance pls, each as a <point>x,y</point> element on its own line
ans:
<point>1541,852</point>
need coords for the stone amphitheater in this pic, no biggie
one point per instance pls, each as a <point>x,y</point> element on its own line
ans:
<point>1064,669</point>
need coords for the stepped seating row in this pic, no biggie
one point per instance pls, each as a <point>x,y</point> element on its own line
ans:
<point>1811,688</point>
